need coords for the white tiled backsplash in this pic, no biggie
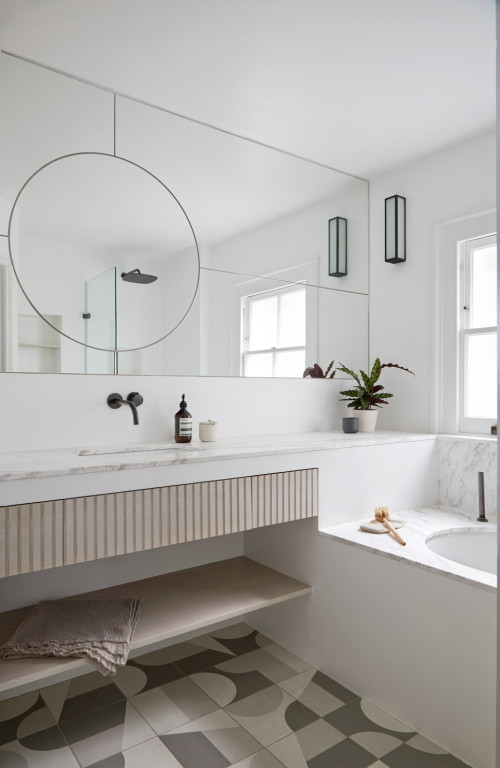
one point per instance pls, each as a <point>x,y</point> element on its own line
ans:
<point>460,459</point>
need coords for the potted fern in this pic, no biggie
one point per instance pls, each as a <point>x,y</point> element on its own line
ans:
<point>368,395</point>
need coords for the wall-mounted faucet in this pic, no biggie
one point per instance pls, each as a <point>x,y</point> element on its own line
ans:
<point>134,399</point>
<point>480,481</point>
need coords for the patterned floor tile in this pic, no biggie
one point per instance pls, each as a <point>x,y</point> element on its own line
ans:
<point>228,699</point>
<point>315,697</point>
<point>80,695</point>
<point>150,754</point>
<point>262,759</point>
<point>296,750</point>
<point>259,661</point>
<point>15,755</point>
<point>105,732</point>
<point>378,764</point>
<point>337,690</point>
<point>27,718</point>
<point>240,638</point>
<point>263,714</point>
<point>379,744</point>
<point>288,658</point>
<point>11,708</point>
<point>407,757</point>
<point>226,687</point>
<point>213,741</point>
<point>201,661</point>
<point>345,754</point>
<point>137,677</point>
<point>424,745</point>
<point>382,719</point>
<point>173,704</point>
<point>360,717</point>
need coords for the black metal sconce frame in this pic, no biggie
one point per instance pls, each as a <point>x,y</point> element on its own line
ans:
<point>395,229</point>
<point>337,247</point>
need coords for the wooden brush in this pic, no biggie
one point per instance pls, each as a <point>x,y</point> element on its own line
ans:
<point>382,515</point>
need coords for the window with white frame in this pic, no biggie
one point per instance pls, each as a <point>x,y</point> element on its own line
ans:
<point>477,353</point>
<point>465,349</point>
<point>274,332</point>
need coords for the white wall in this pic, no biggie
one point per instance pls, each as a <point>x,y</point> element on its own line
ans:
<point>44,411</point>
<point>456,182</point>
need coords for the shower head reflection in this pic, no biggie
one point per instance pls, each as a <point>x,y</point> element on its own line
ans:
<point>136,276</point>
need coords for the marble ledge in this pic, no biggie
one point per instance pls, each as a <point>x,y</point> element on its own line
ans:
<point>79,460</point>
<point>420,523</point>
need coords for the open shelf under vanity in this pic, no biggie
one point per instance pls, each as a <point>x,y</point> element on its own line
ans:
<point>176,605</point>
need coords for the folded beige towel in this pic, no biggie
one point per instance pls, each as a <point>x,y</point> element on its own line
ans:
<point>99,630</point>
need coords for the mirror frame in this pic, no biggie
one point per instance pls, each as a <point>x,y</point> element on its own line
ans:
<point>139,167</point>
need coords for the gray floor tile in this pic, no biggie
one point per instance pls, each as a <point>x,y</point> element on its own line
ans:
<point>94,722</point>
<point>351,719</point>
<point>193,750</point>
<point>249,703</point>
<point>201,661</point>
<point>297,716</point>
<point>173,704</point>
<point>337,690</point>
<point>262,759</point>
<point>346,754</point>
<point>407,757</point>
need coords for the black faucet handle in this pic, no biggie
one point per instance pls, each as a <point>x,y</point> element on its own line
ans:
<point>135,398</point>
<point>114,400</point>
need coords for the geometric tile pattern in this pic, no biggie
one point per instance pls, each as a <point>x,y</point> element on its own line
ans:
<point>228,698</point>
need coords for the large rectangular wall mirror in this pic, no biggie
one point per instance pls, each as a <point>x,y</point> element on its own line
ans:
<point>136,241</point>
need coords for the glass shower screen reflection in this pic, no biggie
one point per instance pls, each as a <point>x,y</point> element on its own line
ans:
<point>101,322</point>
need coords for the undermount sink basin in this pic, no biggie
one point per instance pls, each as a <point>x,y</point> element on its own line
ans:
<point>104,450</point>
<point>474,547</point>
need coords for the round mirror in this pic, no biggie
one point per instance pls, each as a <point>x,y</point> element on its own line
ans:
<point>102,245</point>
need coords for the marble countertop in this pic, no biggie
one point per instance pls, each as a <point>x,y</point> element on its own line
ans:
<point>32,464</point>
<point>420,524</point>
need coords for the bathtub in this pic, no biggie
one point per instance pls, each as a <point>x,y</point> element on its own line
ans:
<point>409,630</point>
<point>472,547</point>
<point>439,539</point>
<point>434,615</point>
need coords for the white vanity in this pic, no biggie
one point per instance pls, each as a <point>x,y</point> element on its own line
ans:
<point>68,507</point>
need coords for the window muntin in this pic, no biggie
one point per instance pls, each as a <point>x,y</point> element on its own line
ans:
<point>478,335</point>
<point>274,332</point>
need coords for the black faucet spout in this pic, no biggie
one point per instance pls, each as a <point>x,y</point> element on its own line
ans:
<point>482,515</point>
<point>134,399</point>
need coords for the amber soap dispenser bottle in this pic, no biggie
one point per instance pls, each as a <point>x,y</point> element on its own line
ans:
<point>183,424</point>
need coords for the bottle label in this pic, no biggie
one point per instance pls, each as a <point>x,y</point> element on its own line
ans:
<point>185,427</point>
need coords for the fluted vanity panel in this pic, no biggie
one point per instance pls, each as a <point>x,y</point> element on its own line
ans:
<point>52,533</point>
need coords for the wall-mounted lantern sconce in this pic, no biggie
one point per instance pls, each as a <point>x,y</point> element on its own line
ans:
<point>395,229</point>
<point>337,247</point>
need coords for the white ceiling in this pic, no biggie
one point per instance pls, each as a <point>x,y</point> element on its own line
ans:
<point>356,84</point>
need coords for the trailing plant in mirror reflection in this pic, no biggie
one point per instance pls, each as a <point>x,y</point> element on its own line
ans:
<point>316,372</point>
<point>368,394</point>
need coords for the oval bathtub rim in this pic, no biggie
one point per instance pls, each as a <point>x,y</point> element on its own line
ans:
<point>485,528</point>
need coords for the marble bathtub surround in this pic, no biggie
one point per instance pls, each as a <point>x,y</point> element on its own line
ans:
<point>459,461</point>
<point>420,524</point>
<point>228,698</point>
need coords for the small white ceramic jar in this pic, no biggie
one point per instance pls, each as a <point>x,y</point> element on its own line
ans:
<point>208,431</point>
